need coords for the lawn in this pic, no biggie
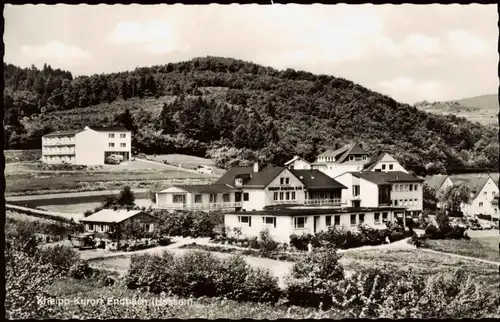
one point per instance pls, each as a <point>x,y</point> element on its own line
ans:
<point>20,216</point>
<point>484,247</point>
<point>39,183</point>
<point>12,156</point>
<point>468,176</point>
<point>420,262</point>
<point>82,207</point>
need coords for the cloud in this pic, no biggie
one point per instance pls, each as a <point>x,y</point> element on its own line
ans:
<point>55,53</point>
<point>465,43</point>
<point>415,44</point>
<point>404,88</point>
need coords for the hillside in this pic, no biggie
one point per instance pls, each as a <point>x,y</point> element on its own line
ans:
<point>234,112</point>
<point>483,109</point>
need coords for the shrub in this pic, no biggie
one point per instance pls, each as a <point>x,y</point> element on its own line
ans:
<point>370,236</point>
<point>341,238</point>
<point>151,271</point>
<point>266,242</point>
<point>81,270</point>
<point>253,242</point>
<point>164,241</point>
<point>59,257</point>
<point>260,286</point>
<point>300,241</point>
<point>231,276</point>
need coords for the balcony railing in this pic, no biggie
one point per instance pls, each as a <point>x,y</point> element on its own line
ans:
<point>55,143</point>
<point>62,152</point>
<point>200,206</point>
<point>325,202</point>
<point>285,202</point>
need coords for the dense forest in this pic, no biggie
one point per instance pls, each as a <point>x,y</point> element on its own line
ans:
<point>236,112</point>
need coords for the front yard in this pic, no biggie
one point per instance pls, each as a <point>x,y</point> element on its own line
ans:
<point>482,247</point>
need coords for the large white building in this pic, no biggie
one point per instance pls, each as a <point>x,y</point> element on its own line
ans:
<point>483,192</point>
<point>383,189</point>
<point>88,146</point>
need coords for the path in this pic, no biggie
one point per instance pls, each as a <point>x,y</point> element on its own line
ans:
<point>173,167</point>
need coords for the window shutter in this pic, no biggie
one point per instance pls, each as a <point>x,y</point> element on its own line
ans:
<point>249,221</point>
<point>274,222</point>
<point>239,218</point>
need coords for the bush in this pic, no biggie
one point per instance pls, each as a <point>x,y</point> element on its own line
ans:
<point>59,257</point>
<point>341,238</point>
<point>261,286</point>
<point>164,241</point>
<point>151,271</point>
<point>81,270</point>
<point>300,241</point>
<point>372,237</point>
<point>186,223</point>
<point>266,242</point>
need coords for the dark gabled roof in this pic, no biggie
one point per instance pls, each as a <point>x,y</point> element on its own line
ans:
<point>334,153</point>
<point>295,158</point>
<point>436,181</point>
<point>65,132</point>
<point>354,148</point>
<point>313,211</point>
<point>315,179</point>
<point>386,177</point>
<point>370,165</point>
<point>257,179</point>
<point>109,129</point>
<point>209,188</point>
<point>474,184</point>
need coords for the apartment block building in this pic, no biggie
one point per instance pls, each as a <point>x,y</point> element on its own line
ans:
<point>88,146</point>
<point>348,158</point>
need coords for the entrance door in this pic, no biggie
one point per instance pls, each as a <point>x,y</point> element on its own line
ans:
<point>316,223</point>
<point>237,197</point>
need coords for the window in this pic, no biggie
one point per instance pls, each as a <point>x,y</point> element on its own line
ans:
<point>282,181</point>
<point>275,196</point>
<point>416,187</point>
<point>225,197</point>
<point>361,218</point>
<point>91,226</point>
<point>411,187</point>
<point>355,190</point>
<point>480,204</point>
<point>485,193</point>
<point>293,195</point>
<point>102,227</point>
<point>123,145</point>
<point>328,221</point>
<point>351,158</point>
<point>395,202</point>
<point>287,180</point>
<point>383,166</point>
<point>337,220</point>
<point>197,198</point>
<point>239,181</point>
<point>178,198</point>
<point>391,166</point>
<point>377,217</point>
<point>353,220</point>
<point>213,198</point>
<point>282,195</point>
<point>299,222</point>
<point>111,145</point>
<point>245,196</point>
<point>269,221</point>
<point>364,157</point>
<point>245,220</point>
<point>396,187</point>
<point>384,216</point>
<point>111,135</point>
<point>123,135</point>
<point>288,196</point>
<point>148,227</point>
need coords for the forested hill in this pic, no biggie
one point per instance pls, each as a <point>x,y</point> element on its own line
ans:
<point>234,111</point>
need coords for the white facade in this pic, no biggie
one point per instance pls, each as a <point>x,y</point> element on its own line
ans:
<point>298,163</point>
<point>336,169</point>
<point>178,198</point>
<point>386,164</point>
<point>86,147</point>
<point>407,195</point>
<point>282,226</point>
<point>481,204</point>
<point>448,183</point>
<point>89,147</point>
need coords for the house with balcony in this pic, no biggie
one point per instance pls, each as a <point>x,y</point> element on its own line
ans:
<point>252,189</point>
<point>88,146</point>
<point>383,189</point>
<point>199,197</point>
<point>483,191</point>
<point>283,222</point>
<point>348,158</point>
<point>494,205</point>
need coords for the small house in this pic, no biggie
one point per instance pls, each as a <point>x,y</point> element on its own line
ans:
<point>102,221</point>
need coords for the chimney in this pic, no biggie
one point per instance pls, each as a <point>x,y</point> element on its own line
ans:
<point>256,167</point>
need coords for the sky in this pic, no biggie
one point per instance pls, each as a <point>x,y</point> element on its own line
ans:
<point>409,52</point>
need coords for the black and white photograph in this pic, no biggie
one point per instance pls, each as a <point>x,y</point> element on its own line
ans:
<point>251,161</point>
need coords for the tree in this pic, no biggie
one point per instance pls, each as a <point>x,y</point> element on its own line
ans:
<point>429,198</point>
<point>126,197</point>
<point>453,197</point>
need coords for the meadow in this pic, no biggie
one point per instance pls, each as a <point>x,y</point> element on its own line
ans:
<point>484,247</point>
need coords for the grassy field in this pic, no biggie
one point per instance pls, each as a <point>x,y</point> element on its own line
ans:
<point>468,176</point>
<point>485,247</point>
<point>82,207</point>
<point>187,161</point>
<point>20,216</point>
<point>22,155</point>
<point>420,262</point>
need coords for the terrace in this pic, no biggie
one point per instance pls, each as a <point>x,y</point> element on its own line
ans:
<point>200,206</point>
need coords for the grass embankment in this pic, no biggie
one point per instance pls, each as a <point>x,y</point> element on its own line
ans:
<point>484,247</point>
